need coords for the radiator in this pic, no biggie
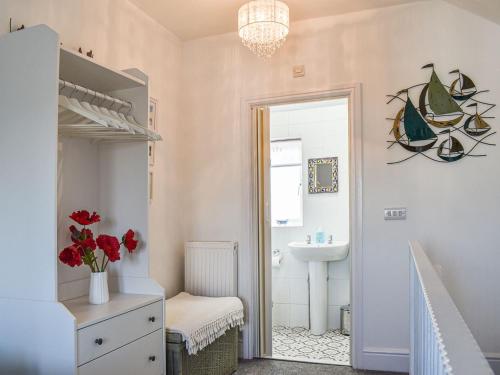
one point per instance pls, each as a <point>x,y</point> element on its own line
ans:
<point>441,343</point>
<point>211,268</point>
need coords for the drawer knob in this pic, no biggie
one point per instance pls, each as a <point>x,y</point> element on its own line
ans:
<point>98,341</point>
<point>152,319</point>
<point>152,358</point>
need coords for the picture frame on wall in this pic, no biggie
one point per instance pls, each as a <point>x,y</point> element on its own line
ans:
<point>152,125</point>
<point>153,114</point>
<point>323,175</point>
<point>151,153</point>
<point>150,187</point>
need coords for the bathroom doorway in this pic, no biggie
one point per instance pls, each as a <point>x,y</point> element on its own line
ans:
<point>305,205</point>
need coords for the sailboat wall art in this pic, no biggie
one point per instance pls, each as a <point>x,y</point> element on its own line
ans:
<point>448,122</point>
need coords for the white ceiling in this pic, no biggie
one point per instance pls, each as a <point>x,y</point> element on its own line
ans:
<point>489,9</point>
<point>191,19</point>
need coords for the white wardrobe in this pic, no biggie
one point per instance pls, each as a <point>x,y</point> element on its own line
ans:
<point>54,159</point>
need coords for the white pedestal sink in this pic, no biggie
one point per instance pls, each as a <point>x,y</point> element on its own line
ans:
<point>318,256</point>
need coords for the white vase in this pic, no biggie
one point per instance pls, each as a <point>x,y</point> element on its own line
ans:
<point>98,291</point>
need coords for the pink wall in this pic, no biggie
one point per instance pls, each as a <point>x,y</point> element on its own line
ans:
<point>451,208</point>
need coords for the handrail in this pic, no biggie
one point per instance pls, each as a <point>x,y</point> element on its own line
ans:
<point>441,342</point>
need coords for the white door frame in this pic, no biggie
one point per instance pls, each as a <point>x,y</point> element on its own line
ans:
<point>250,206</point>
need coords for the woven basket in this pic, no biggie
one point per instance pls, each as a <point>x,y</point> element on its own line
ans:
<point>218,358</point>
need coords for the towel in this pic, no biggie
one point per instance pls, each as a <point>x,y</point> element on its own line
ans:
<point>201,320</point>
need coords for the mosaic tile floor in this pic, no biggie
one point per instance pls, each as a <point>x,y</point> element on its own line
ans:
<point>300,345</point>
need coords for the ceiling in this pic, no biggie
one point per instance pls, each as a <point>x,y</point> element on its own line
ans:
<point>489,9</point>
<point>192,19</point>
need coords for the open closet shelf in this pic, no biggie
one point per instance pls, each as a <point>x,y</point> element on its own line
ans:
<point>80,69</point>
<point>108,120</point>
<point>89,106</point>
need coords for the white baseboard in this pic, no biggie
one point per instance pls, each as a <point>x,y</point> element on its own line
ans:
<point>397,360</point>
<point>385,359</point>
<point>494,360</point>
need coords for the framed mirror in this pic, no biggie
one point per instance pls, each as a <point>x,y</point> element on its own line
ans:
<point>323,175</point>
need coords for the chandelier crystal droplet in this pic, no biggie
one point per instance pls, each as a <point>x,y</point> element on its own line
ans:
<point>263,26</point>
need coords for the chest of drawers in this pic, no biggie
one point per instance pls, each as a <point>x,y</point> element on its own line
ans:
<point>124,336</point>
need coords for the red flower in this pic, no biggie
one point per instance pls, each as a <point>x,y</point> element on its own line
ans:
<point>129,242</point>
<point>87,241</point>
<point>71,256</point>
<point>85,238</point>
<point>83,217</point>
<point>75,233</point>
<point>110,246</point>
<point>88,244</point>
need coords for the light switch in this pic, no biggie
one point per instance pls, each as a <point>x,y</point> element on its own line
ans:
<point>395,213</point>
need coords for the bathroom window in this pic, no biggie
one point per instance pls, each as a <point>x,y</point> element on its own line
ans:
<point>286,183</point>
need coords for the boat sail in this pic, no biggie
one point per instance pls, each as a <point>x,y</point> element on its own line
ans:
<point>440,102</point>
<point>475,124</point>
<point>416,129</point>
<point>450,149</point>
<point>463,88</point>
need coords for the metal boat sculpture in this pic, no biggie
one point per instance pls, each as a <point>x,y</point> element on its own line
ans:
<point>475,125</point>
<point>463,87</point>
<point>450,149</point>
<point>443,108</point>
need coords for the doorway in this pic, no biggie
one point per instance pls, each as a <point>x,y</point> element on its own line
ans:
<point>306,305</point>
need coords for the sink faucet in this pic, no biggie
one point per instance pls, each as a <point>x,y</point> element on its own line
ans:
<point>308,239</point>
<point>330,239</point>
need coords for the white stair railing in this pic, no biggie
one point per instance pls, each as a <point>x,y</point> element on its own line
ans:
<point>441,342</point>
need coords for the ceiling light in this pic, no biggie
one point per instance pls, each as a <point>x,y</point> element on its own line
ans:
<point>263,26</point>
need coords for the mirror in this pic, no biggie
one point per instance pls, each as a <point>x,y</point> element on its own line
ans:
<point>323,175</point>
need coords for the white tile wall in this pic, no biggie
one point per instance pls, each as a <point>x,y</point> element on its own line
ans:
<point>324,133</point>
<point>281,290</point>
<point>299,291</point>
<point>338,292</point>
<point>299,316</point>
<point>281,314</point>
<point>333,316</point>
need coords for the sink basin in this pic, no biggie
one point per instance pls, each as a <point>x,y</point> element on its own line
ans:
<point>324,252</point>
<point>317,256</point>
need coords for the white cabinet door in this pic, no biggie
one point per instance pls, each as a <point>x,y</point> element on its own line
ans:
<point>141,357</point>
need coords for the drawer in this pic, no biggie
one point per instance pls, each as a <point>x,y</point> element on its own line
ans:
<point>141,357</point>
<point>101,338</point>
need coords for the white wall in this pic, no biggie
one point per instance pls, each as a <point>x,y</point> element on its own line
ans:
<point>204,156</point>
<point>122,36</point>
<point>452,208</point>
<point>78,193</point>
<point>323,129</point>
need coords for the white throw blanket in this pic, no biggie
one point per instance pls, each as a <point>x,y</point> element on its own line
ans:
<point>201,320</point>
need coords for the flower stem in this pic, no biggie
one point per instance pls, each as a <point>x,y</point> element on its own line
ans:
<point>102,264</point>
<point>95,261</point>
<point>107,261</point>
<point>88,260</point>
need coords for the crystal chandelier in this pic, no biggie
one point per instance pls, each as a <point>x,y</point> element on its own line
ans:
<point>263,26</point>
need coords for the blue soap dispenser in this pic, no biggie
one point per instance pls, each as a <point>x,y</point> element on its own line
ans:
<point>320,235</point>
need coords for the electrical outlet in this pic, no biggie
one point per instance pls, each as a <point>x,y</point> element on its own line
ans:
<point>395,213</point>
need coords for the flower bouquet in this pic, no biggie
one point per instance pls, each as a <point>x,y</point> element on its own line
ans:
<point>83,251</point>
